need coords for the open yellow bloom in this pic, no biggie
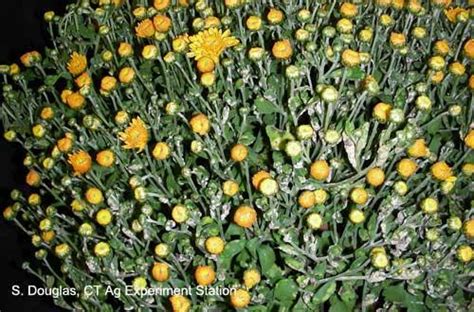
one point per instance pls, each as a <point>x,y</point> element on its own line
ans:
<point>77,64</point>
<point>211,43</point>
<point>135,136</point>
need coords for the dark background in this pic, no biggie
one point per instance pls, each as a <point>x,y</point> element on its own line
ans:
<point>21,29</point>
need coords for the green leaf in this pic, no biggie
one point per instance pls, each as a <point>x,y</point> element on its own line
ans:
<point>355,73</point>
<point>286,290</point>
<point>398,294</point>
<point>371,226</point>
<point>400,98</point>
<point>51,80</point>
<point>265,107</point>
<point>319,270</point>
<point>338,305</point>
<point>274,273</point>
<point>231,250</point>
<point>252,246</point>
<point>87,32</point>
<point>266,256</point>
<point>295,264</point>
<point>324,293</point>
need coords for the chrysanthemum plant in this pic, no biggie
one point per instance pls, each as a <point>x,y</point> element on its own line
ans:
<point>307,155</point>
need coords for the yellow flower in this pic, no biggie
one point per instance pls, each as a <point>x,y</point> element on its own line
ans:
<point>406,167</point>
<point>162,23</point>
<point>275,16</point>
<point>33,178</point>
<point>418,149</point>
<point>149,52</point>
<point>208,79</point>
<point>81,162</point>
<point>160,272</point>
<point>397,39</point>
<point>211,43</point>
<point>83,80</point>
<point>77,64</point>
<point>103,217</point>
<point>452,13</point>
<point>348,10</point>
<point>180,213</point>
<point>94,196</point>
<point>230,188</point>
<point>105,158</point>
<point>441,47</point>
<point>356,216</point>
<point>232,3</point>
<point>469,139</point>
<point>161,151</point>
<point>161,4</point>
<point>47,113</point>
<point>375,176</point>
<point>125,49</point>
<point>205,65</point>
<point>468,228</point>
<point>457,69</point>
<point>359,195</point>
<point>135,136</point>
<point>215,245</point>
<point>469,49</point>
<point>28,59</point>
<point>212,21</point>
<point>240,298</point>
<point>441,171</point>
<point>251,278</point>
<point>239,152</point>
<point>253,23</point>
<point>75,100</point>
<point>126,75</point>
<point>350,58</point>
<point>180,303</point>
<point>102,249</point>
<point>200,124</point>
<point>108,83</point>
<point>381,112</point>
<point>180,43</point>
<point>306,199</point>
<point>282,49</point>
<point>65,144</point>
<point>145,29</point>
<point>320,170</point>
<point>245,216</point>
<point>468,169</point>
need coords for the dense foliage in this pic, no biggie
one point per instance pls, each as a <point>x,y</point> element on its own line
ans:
<point>311,155</point>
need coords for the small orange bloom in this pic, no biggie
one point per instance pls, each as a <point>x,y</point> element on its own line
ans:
<point>81,162</point>
<point>145,29</point>
<point>162,23</point>
<point>282,49</point>
<point>161,4</point>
